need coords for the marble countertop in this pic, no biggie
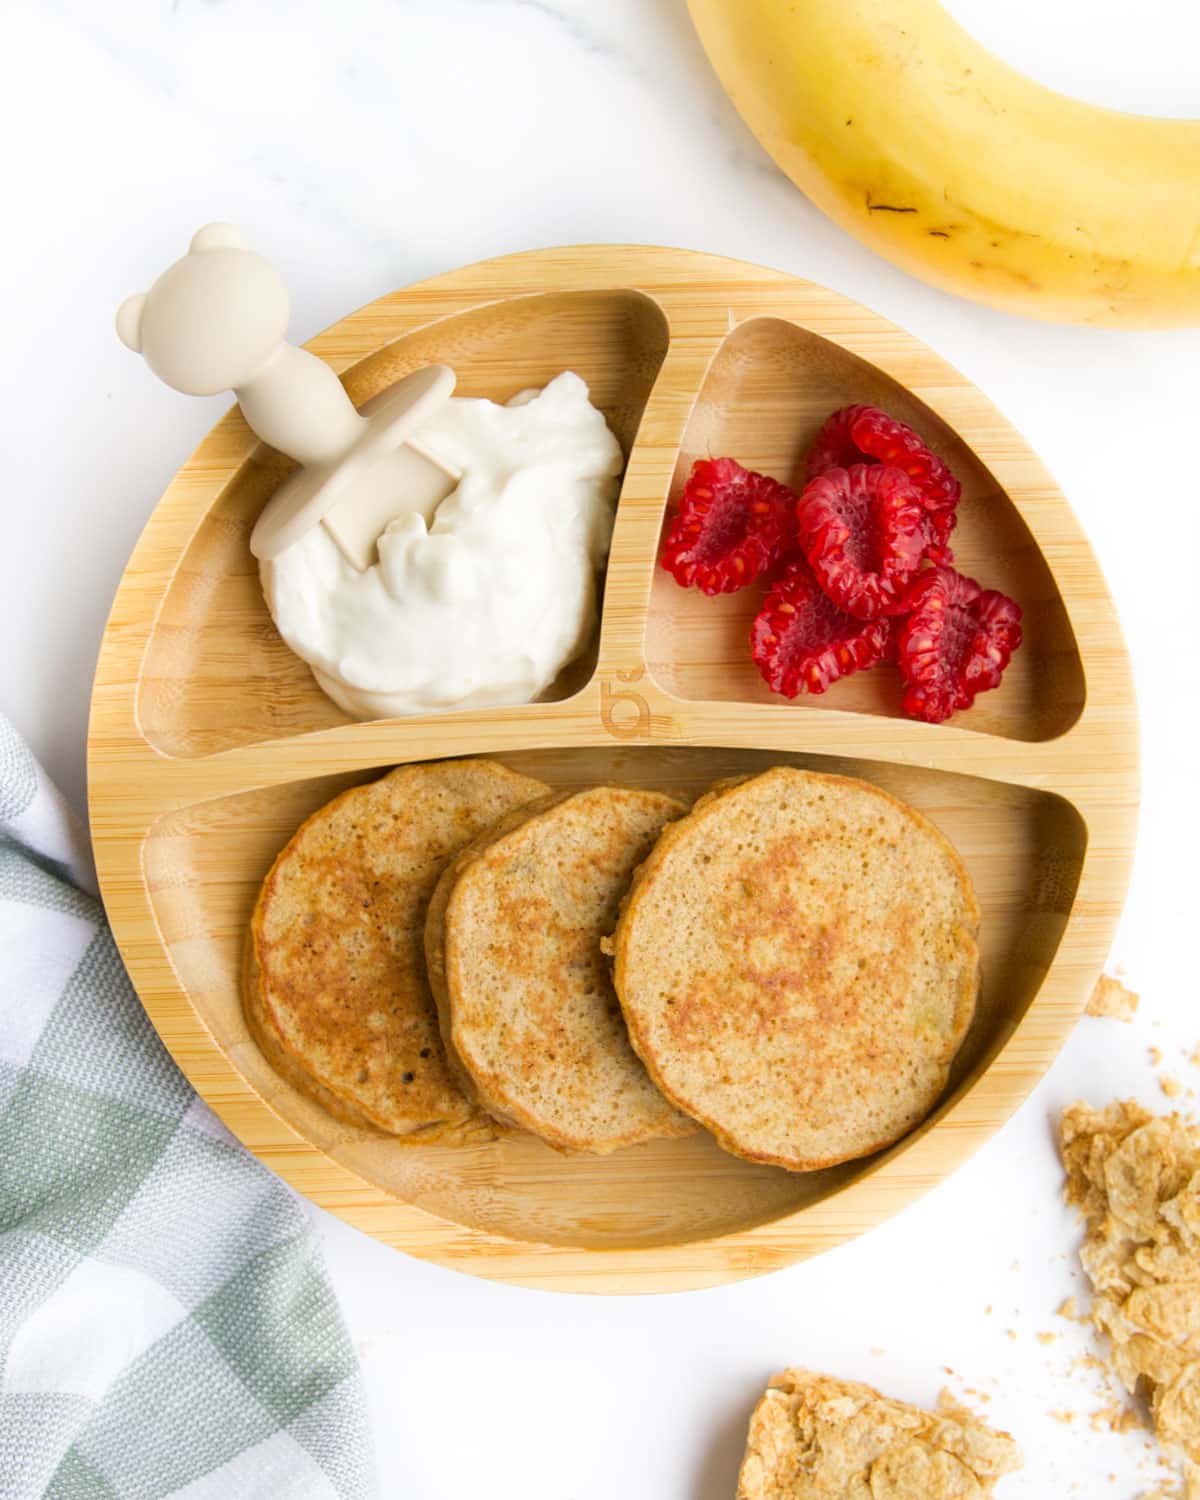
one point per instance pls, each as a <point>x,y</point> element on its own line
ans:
<point>363,147</point>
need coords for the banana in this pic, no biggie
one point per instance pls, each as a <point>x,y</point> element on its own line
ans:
<point>954,165</point>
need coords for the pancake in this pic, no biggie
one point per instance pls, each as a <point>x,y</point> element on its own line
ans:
<point>336,990</point>
<point>797,963</point>
<point>524,995</point>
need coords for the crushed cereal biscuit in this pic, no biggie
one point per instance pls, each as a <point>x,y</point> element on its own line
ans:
<point>1170,1085</point>
<point>1135,1177</point>
<point>1114,1418</point>
<point>816,1438</point>
<point>1112,998</point>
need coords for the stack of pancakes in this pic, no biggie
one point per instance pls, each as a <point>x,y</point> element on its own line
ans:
<point>457,950</point>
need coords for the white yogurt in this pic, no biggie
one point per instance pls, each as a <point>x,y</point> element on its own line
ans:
<point>495,597</point>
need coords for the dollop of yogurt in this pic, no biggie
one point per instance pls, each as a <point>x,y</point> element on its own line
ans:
<point>486,603</point>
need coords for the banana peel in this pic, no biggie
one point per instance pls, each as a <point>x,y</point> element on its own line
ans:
<point>949,162</point>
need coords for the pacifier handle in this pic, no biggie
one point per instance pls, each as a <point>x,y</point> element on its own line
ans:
<point>215,321</point>
<point>297,404</point>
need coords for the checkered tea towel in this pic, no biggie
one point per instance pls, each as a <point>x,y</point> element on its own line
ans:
<point>166,1324</point>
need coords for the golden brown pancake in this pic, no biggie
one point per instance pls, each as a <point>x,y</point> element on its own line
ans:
<point>523,989</point>
<point>797,963</point>
<point>336,988</point>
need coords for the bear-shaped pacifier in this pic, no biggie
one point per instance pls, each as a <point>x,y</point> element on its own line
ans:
<point>216,320</point>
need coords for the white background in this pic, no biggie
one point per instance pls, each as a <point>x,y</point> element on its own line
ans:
<point>363,146</point>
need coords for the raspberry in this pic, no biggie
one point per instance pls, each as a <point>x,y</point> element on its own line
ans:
<point>863,531</point>
<point>731,525</point>
<point>956,642</point>
<point>864,434</point>
<point>834,446</point>
<point>801,639</point>
<point>938,526</point>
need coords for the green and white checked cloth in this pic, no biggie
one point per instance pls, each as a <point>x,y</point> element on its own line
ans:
<point>166,1324</point>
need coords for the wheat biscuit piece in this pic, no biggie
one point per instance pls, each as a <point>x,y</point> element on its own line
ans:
<point>524,994</point>
<point>336,990</point>
<point>797,961</point>
<point>816,1438</point>
<point>1135,1178</point>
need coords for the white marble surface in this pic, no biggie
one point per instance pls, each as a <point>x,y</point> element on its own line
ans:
<point>363,146</point>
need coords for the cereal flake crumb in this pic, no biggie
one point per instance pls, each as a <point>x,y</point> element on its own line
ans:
<point>1135,1178</point>
<point>816,1438</point>
<point>1112,999</point>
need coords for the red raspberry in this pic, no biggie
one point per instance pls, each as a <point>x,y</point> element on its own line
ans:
<point>938,526</point>
<point>731,525</point>
<point>863,531</point>
<point>834,446</point>
<point>956,643</point>
<point>864,434</point>
<point>801,640</point>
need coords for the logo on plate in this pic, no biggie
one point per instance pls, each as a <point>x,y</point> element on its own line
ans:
<point>624,713</point>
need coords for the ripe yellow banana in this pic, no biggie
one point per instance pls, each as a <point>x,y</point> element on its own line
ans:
<point>918,141</point>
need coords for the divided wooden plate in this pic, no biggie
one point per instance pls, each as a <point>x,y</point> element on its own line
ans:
<point>210,742</point>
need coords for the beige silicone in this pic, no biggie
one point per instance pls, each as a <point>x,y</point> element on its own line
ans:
<point>214,321</point>
<point>376,478</point>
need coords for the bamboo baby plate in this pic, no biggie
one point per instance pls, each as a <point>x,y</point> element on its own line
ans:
<point>210,742</point>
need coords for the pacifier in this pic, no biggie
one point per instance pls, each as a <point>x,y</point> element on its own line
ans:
<point>214,321</point>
